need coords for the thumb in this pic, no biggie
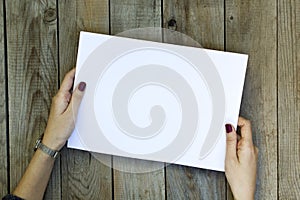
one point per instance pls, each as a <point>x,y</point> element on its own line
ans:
<point>76,98</point>
<point>231,143</point>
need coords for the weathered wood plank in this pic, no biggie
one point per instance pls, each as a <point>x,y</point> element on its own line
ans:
<point>3,115</point>
<point>251,29</point>
<point>192,183</point>
<point>76,16</point>
<point>83,176</point>
<point>288,99</point>
<point>126,15</point>
<point>132,14</point>
<point>202,20</point>
<point>128,184</point>
<point>32,79</point>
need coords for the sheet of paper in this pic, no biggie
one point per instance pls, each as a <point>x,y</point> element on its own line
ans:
<point>156,101</point>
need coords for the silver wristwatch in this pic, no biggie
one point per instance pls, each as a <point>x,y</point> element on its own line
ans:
<point>45,149</point>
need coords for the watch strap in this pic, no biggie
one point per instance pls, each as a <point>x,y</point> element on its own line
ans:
<point>45,149</point>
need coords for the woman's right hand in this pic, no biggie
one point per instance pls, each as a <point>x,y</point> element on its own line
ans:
<point>241,161</point>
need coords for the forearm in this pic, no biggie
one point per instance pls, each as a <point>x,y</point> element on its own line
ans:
<point>60,125</point>
<point>36,177</point>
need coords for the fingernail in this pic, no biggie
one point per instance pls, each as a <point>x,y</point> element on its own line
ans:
<point>228,128</point>
<point>81,86</point>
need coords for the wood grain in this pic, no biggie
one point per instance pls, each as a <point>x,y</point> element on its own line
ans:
<point>202,20</point>
<point>251,29</point>
<point>128,184</point>
<point>288,99</point>
<point>84,177</point>
<point>126,15</point>
<point>132,14</point>
<point>192,183</point>
<point>32,78</point>
<point>3,115</point>
<point>76,16</point>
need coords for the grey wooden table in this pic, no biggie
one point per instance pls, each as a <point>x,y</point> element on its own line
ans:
<point>38,45</point>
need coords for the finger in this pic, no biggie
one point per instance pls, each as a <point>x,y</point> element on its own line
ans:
<point>60,102</point>
<point>246,132</point>
<point>231,142</point>
<point>67,83</point>
<point>76,98</point>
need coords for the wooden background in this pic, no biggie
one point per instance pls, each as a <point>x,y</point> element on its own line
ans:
<point>38,44</point>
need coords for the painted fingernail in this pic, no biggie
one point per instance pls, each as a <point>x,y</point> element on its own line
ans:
<point>81,86</point>
<point>228,128</point>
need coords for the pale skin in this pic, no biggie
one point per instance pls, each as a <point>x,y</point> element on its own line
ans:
<point>59,128</point>
<point>240,163</point>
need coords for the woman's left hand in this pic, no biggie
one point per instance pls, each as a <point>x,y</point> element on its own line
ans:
<point>63,113</point>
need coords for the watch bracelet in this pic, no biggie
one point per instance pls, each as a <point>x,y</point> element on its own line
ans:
<point>39,145</point>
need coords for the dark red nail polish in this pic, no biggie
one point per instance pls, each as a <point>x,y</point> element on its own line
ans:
<point>81,86</point>
<point>228,128</point>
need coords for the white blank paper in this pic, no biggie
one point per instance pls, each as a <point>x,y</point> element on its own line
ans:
<point>156,101</point>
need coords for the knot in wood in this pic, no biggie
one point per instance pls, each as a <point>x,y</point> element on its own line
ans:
<point>49,15</point>
<point>172,24</point>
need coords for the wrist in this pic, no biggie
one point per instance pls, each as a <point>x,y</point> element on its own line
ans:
<point>44,148</point>
<point>244,198</point>
<point>42,156</point>
<point>52,142</point>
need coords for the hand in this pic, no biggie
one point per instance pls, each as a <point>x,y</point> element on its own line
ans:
<point>241,161</point>
<point>63,113</point>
